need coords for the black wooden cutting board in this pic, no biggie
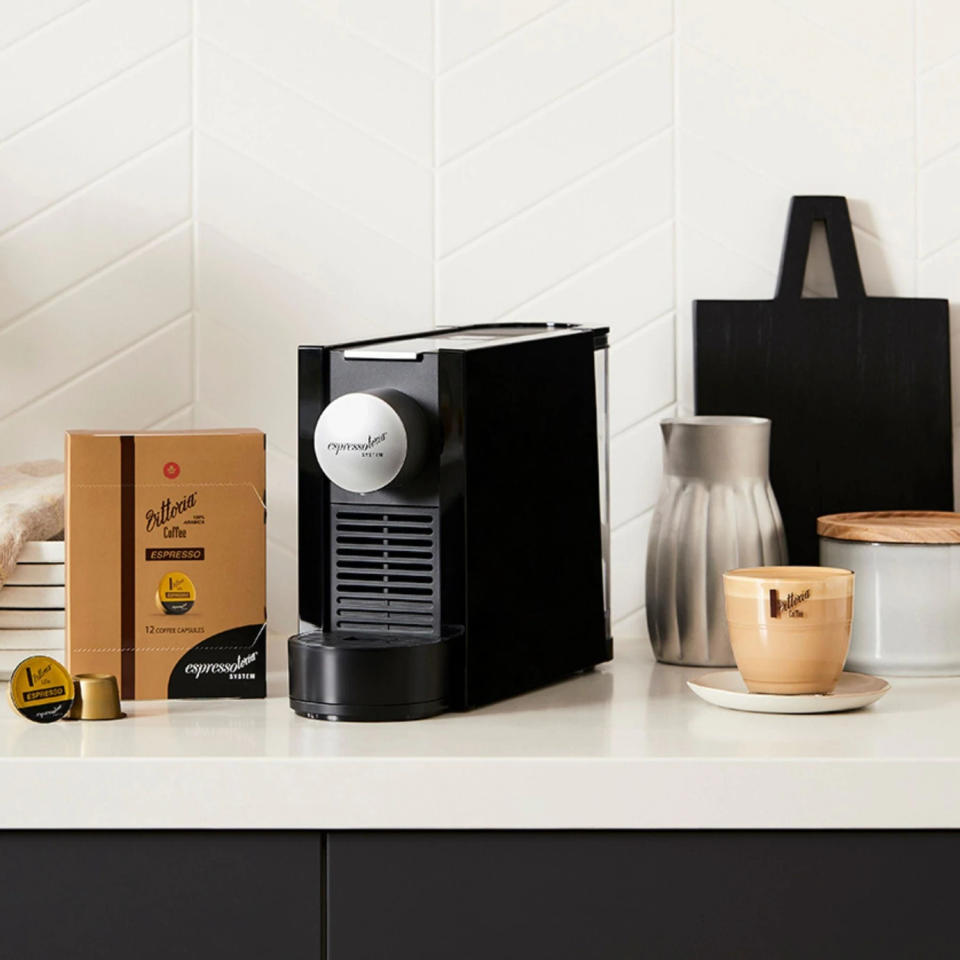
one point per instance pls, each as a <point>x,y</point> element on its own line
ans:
<point>857,387</point>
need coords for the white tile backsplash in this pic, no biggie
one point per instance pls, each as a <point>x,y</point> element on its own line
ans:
<point>136,388</point>
<point>330,158</point>
<point>557,237</point>
<point>466,27</point>
<point>21,18</point>
<point>115,309</point>
<point>152,97</point>
<point>326,61</point>
<point>938,32</point>
<point>51,68</point>
<point>938,111</point>
<point>624,289</point>
<point>570,138</point>
<point>528,69</point>
<point>189,190</point>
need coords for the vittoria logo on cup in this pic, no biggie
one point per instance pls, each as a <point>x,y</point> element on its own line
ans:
<point>171,470</point>
<point>363,447</point>
<point>787,605</point>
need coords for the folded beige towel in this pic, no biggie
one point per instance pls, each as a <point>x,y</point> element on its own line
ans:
<point>31,508</point>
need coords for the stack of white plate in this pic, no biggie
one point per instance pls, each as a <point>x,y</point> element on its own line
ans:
<point>32,606</point>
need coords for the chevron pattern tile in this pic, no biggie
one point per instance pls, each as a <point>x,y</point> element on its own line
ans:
<point>938,173</point>
<point>363,171</point>
<point>554,174</point>
<point>95,235</point>
<point>780,98</point>
<point>247,176</point>
<point>315,203</point>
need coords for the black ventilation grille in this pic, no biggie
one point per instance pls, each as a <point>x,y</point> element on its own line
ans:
<point>385,570</point>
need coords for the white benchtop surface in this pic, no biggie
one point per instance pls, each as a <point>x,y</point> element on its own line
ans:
<point>628,746</point>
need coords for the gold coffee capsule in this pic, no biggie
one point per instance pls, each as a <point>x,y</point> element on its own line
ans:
<point>41,689</point>
<point>176,593</point>
<point>97,697</point>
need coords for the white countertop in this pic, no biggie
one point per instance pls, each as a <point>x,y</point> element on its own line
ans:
<point>627,746</point>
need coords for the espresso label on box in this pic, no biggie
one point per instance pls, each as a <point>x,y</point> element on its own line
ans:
<point>174,554</point>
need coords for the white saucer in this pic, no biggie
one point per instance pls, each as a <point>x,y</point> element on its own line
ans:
<point>725,688</point>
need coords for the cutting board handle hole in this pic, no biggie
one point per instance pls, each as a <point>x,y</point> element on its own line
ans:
<point>818,279</point>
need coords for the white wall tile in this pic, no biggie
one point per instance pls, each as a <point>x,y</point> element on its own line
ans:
<point>465,27</point>
<point>282,498</point>
<point>247,385</point>
<point>281,534</point>
<point>632,627</point>
<point>75,54</point>
<point>549,57</point>
<point>938,32</point>
<point>877,32</point>
<point>95,240</point>
<point>939,276</point>
<point>153,100</point>
<point>328,63</point>
<point>23,17</point>
<point>129,391</point>
<point>623,290</point>
<point>363,169</point>
<point>710,270</point>
<point>291,228</point>
<point>281,599</point>
<point>938,154</point>
<point>760,119</point>
<point>635,468</point>
<point>282,541</point>
<point>642,377</point>
<point>803,62</point>
<point>113,310</point>
<point>181,420</point>
<point>404,29</point>
<point>249,293</point>
<point>93,228</point>
<point>564,233</point>
<point>339,164</point>
<point>937,223</point>
<point>628,558</point>
<point>567,140</point>
<point>938,111</point>
<point>783,137</point>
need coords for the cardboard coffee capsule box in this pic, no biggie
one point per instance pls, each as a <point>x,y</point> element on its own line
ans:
<point>166,541</point>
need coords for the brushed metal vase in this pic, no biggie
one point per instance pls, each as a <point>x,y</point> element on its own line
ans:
<point>716,511</point>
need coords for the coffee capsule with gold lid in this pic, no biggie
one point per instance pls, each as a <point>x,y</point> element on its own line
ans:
<point>41,689</point>
<point>176,593</point>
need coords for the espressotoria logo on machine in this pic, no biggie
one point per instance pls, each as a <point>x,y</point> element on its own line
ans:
<point>354,446</point>
<point>198,670</point>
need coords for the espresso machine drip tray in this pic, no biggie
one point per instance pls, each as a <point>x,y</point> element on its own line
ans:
<point>346,675</point>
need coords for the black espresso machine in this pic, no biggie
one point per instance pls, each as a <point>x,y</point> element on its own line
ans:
<point>454,545</point>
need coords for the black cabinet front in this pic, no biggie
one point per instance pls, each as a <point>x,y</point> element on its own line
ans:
<point>697,895</point>
<point>152,895</point>
<point>491,895</point>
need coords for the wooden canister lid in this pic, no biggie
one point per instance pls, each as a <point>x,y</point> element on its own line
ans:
<point>892,526</point>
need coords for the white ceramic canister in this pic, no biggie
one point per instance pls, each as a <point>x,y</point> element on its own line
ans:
<point>906,612</point>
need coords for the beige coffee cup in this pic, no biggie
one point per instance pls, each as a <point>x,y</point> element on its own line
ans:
<point>789,626</point>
